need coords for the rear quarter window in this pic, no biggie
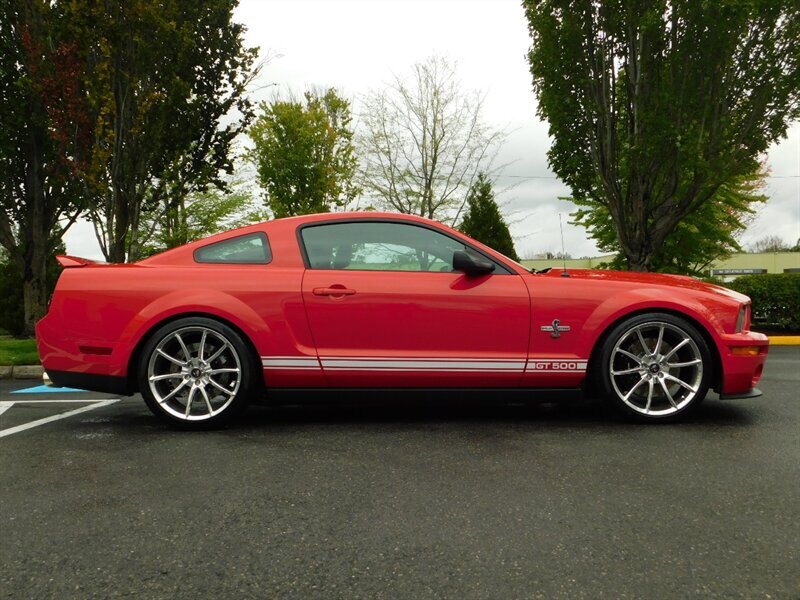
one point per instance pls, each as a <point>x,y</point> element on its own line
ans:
<point>250,249</point>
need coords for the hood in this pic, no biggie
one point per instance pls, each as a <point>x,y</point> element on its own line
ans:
<point>650,279</point>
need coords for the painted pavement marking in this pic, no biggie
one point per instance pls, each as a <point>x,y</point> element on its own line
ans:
<point>46,389</point>
<point>4,406</point>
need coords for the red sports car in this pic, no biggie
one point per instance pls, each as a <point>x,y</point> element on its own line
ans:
<point>375,301</point>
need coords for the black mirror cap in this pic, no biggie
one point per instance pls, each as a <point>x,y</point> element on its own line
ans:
<point>471,263</point>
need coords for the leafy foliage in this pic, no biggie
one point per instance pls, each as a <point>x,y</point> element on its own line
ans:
<point>110,108</point>
<point>776,299</point>
<point>161,77</point>
<point>425,142</point>
<point>43,139</point>
<point>483,220</point>
<point>702,237</point>
<point>304,154</point>
<point>12,311</point>
<point>654,106</point>
<point>197,216</point>
<point>12,300</point>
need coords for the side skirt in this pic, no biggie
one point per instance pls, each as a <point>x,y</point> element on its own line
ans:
<point>376,395</point>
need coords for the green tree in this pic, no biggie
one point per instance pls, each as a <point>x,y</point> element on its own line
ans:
<point>655,106</point>
<point>708,234</point>
<point>163,77</point>
<point>12,300</point>
<point>196,216</point>
<point>44,134</point>
<point>304,154</point>
<point>483,220</point>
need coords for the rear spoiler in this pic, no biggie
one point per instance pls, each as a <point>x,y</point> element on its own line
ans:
<point>75,261</point>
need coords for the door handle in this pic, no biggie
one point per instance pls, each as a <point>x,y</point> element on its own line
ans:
<point>334,290</point>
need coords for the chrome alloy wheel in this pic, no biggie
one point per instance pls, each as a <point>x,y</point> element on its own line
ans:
<point>656,368</point>
<point>194,373</point>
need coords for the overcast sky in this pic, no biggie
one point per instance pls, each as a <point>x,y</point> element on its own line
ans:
<point>356,46</point>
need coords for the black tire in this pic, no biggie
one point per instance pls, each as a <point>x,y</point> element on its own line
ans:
<point>205,389</point>
<point>654,381</point>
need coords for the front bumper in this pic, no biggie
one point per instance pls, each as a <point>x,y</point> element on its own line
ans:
<point>743,356</point>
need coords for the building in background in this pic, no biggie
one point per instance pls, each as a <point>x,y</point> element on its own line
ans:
<point>727,269</point>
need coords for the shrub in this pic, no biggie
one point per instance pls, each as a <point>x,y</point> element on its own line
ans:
<point>776,299</point>
<point>11,301</point>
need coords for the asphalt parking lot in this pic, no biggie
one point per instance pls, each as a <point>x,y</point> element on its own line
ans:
<point>447,500</point>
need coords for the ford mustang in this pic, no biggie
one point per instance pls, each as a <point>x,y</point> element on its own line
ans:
<point>377,301</point>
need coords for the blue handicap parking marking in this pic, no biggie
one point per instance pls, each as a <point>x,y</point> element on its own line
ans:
<point>46,389</point>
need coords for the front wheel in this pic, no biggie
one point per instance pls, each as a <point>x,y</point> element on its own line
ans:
<point>196,373</point>
<point>655,367</point>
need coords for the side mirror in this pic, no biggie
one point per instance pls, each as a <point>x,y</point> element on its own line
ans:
<point>471,264</point>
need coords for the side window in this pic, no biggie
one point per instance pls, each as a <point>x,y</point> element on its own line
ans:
<point>252,248</point>
<point>378,247</point>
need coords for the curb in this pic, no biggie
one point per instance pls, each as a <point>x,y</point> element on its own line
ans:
<point>22,372</point>
<point>784,340</point>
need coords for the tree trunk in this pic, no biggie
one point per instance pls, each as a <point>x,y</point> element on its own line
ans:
<point>35,234</point>
<point>118,227</point>
<point>34,289</point>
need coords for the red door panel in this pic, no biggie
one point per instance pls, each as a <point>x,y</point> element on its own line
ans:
<point>418,329</point>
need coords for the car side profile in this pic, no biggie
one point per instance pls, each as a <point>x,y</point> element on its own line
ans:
<point>376,301</point>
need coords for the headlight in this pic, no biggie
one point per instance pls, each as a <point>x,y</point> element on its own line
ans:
<point>743,322</point>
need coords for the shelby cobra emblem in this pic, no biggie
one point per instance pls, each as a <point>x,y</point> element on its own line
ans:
<point>556,328</point>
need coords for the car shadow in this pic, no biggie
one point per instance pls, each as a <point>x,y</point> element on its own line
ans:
<point>415,412</point>
<point>133,418</point>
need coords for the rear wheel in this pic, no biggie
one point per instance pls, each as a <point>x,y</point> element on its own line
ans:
<point>196,373</point>
<point>655,367</point>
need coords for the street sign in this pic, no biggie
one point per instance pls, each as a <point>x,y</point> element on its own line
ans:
<point>737,271</point>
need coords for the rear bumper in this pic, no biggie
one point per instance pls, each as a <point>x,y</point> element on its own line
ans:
<point>91,382</point>
<point>87,365</point>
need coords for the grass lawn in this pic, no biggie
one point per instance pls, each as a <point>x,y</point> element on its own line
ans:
<point>18,352</point>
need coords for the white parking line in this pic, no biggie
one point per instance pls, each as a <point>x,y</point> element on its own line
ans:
<point>12,430</point>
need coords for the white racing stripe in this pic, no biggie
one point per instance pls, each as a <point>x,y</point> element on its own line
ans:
<point>290,362</point>
<point>441,369</point>
<point>449,365</point>
<point>418,364</point>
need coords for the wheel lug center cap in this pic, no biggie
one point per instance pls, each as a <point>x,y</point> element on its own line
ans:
<point>196,373</point>
<point>654,368</point>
